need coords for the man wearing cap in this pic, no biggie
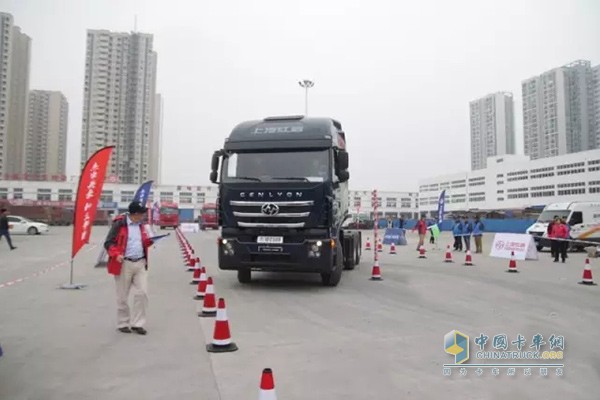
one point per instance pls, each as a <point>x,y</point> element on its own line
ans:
<point>127,247</point>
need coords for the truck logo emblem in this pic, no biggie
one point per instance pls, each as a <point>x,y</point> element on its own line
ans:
<point>270,209</point>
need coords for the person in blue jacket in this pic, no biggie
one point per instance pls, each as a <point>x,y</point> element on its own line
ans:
<point>457,232</point>
<point>478,229</point>
<point>467,231</point>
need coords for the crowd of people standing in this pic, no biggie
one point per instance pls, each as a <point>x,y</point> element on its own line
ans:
<point>462,230</point>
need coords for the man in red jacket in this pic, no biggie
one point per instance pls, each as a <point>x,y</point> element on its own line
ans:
<point>560,231</point>
<point>127,247</point>
<point>421,228</point>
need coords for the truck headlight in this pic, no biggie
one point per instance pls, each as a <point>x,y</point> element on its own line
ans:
<point>227,248</point>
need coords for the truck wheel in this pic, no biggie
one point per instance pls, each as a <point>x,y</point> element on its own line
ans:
<point>244,275</point>
<point>333,278</point>
<point>351,262</point>
<point>358,256</point>
<point>539,248</point>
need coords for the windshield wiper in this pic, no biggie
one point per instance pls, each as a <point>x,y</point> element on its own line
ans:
<point>248,178</point>
<point>292,178</point>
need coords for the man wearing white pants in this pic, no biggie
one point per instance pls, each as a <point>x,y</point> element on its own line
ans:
<point>127,246</point>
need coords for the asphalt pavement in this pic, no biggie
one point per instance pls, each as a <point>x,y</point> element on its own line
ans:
<point>360,340</point>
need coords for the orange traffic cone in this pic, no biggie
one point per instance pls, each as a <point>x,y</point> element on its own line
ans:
<point>191,265</point>
<point>587,274</point>
<point>197,264</point>
<point>376,272</point>
<point>422,252</point>
<point>468,258</point>
<point>392,248</point>
<point>267,386</point>
<point>448,257</point>
<point>209,308</point>
<point>201,285</point>
<point>195,277</point>
<point>512,264</point>
<point>221,342</point>
<point>368,244</point>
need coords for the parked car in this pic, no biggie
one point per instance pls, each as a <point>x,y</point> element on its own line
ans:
<point>21,226</point>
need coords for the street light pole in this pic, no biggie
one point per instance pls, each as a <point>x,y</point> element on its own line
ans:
<point>306,84</point>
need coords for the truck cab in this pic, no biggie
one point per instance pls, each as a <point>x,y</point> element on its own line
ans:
<point>283,197</point>
<point>168,215</point>
<point>208,216</point>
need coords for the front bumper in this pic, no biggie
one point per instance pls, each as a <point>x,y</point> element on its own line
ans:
<point>285,257</point>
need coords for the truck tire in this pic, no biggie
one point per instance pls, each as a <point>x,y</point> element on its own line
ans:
<point>244,275</point>
<point>539,247</point>
<point>351,261</point>
<point>333,278</point>
<point>358,255</point>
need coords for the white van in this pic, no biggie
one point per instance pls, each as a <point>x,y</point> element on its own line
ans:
<point>582,217</point>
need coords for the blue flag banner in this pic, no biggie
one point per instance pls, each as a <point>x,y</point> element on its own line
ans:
<point>441,203</point>
<point>143,192</point>
<point>394,235</point>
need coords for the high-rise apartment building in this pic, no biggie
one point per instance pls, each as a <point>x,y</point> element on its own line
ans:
<point>558,111</point>
<point>596,105</point>
<point>492,127</point>
<point>156,140</point>
<point>119,95</point>
<point>15,55</point>
<point>46,141</point>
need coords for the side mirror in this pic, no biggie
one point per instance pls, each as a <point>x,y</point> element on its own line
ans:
<point>342,159</point>
<point>343,175</point>
<point>214,166</point>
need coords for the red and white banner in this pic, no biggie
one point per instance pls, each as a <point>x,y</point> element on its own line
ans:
<point>88,195</point>
<point>522,245</point>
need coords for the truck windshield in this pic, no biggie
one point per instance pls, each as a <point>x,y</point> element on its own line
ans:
<point>168,211</point>
<point>312,166</point>
<point>209,211</point>
<point>548,215</point>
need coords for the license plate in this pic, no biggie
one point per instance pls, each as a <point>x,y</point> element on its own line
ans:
<point>270,239</point>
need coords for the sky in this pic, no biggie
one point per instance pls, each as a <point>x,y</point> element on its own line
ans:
<point>398,75</point>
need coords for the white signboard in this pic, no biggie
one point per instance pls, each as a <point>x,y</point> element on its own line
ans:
<point>522,245</point>
<point>189,227</point>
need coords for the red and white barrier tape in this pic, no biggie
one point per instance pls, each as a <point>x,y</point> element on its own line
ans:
<point>38,273</point>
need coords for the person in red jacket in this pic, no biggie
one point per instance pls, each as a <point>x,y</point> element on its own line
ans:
<point>560,231</point>
<point>127,246</point>
<point>421,228</point>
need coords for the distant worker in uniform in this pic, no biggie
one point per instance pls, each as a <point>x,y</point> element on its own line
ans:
<point>457,229</point>
<point>5,227</point>
<point>467,230</point>
<point>559,231</point>
<point>478,229</point>
<point>127,245</point>
<point>549,234</point>
<point>421,228</point>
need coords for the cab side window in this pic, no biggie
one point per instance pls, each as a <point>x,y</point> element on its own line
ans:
<point>576,218</point>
